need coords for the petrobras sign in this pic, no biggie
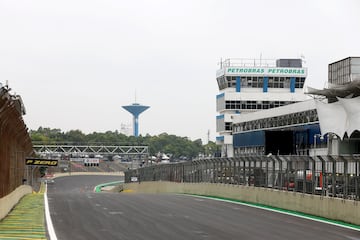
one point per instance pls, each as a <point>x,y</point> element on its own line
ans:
<point>263,71</point>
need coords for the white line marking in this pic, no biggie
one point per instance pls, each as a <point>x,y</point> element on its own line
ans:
<point>115,213</point>
<point>49,224</point>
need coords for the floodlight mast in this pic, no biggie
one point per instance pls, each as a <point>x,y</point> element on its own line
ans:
<point>135,109</point>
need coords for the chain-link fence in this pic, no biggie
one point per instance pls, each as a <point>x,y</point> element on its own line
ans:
<point>336,176</point>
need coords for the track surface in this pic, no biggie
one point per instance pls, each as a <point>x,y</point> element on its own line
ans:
<point>79,213</point>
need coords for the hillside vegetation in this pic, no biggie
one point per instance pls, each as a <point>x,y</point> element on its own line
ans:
<point>174,146</point>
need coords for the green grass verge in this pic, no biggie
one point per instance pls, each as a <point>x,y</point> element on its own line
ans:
<point>26,220</point>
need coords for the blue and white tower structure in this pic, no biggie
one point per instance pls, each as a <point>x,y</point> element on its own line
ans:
<point>135,109</point>
<point>253,85</point>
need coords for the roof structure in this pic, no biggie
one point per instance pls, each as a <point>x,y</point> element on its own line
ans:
<point>339,117</point>
<point>350,89</point>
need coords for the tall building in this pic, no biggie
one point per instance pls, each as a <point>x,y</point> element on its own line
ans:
<point>344,71</point>
<point>327,124</point>
<point>248,86</point>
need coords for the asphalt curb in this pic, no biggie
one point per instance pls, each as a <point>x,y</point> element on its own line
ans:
<point>100,186</point>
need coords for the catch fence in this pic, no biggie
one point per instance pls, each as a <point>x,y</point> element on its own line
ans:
<point>335,176</point>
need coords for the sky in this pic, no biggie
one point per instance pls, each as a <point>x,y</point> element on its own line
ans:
<point>76,62</point>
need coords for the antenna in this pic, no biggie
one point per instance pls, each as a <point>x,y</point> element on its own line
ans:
<point>302,58</point>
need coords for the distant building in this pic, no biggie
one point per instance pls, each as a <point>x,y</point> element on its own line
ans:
<point>326,124</point>
<point>344,71</point>
<point>125,129</point>
<point>248,86</point>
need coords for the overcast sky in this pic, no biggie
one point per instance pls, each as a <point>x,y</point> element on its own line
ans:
<point>75,63</point>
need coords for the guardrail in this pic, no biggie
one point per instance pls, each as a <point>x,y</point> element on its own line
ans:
<point>334,176</point>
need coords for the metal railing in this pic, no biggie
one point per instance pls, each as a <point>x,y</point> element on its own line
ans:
<point>335,176</point>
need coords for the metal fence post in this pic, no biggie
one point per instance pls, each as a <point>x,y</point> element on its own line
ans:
<point>346,182</point>
<point>322,175</point>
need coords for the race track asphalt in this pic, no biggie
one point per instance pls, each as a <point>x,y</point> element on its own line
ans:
<point>79,213</point>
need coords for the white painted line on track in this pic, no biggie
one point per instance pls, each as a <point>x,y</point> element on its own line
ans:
<point>49,224</point>
<point>116,213</point>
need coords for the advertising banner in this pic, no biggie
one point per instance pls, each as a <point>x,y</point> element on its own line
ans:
<point>41,162</point>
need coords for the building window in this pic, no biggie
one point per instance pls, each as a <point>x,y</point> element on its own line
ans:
<point>287,82</point>
<point>254,105</point>
<point>299,82</point>
<point>221,82</point>
<point>276,82</point>
<point>271,82</point>
<point>279,121</point>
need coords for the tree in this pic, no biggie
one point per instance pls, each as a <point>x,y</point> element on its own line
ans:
<point>175,146</point>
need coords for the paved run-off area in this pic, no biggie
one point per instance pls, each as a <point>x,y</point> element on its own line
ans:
<point>26,220</point>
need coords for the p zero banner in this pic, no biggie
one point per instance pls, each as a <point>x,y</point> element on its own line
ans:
<point>41,162</point>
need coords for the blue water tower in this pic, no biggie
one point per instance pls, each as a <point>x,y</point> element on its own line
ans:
<point>135,109</point>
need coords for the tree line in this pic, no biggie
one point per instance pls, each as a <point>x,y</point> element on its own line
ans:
<point>174,146</point>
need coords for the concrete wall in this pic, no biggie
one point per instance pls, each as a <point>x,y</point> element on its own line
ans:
<point>56,175</point>
<point>9,201</point>
<point>331,208</point>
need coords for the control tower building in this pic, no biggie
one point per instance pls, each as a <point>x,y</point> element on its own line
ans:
<point>135,109</point>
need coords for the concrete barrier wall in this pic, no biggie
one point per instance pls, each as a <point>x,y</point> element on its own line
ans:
<point>56,175</point>
<point>331,208</point>
<point>9,201</point>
